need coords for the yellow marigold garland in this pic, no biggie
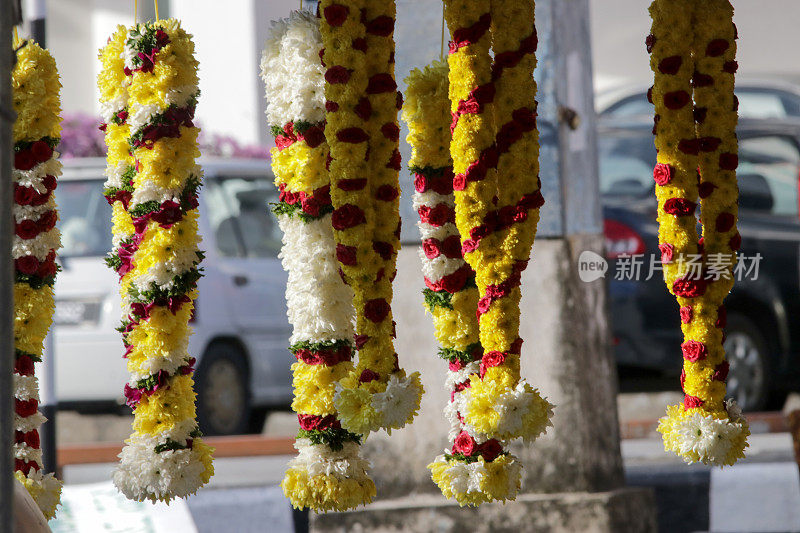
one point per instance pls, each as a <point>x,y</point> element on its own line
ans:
<point>692,56</point>
<point>165,457</point>
<point>36,131</point>
<point>328,474</point>
<point>378,394</point>
<point>496,212</point>
<point>451,294</point>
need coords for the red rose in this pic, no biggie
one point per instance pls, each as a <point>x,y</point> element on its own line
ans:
<point>689,146</point>
<point>691,402</point>
<point>483,305</point>
<point>368,375</point>
<point>705,189</point>
<point>308,357</point>
<point>721,371</point>
<point>352,135</point>
<point>395,161</point>
<point>25,408</point>
<point>47,221</point>
<point>347,216</point>
<point>24,160</point>
<point>730,67</point>
<point>728,161</point>
<point>455,366</point>
<point>679,206</point>
<point>355,184</point>
<point>722,317</point>
<point>309,422</point>
<point>337,74</point>
<point>464,444</point>
<point>694,351</point>
<point>709,144</point>
<point>162,39</point>
<point>31,438</point>
<point>331,107</point>
<point>735,242</point>
<point>391,131</point>
<point>676,99</point>
<point>490,449</point>
<point>686,313</point>
<point>49,182</point>
<point>41,151</point>
<point>382,26</point>
<point>430,247</point>
<point>23,365</point>
<point>314,136</point>
<point>381,83</point>
<point>702,80</point>
<point>650,94</point>
<point>346,255</point>
<point>667,251</point>
<point>383,249</point>
<point>725,222</point>
<point>469,246</point>
<point>310,206</point>
<point>700,114</point>
<point>493,358</point>
<point>650,42</point>
<point>168,213</point>
<point>24,195</point>
<point>454,282</point>
<point>438,216</point>
<point>670,65</point>
<point>377,310</point>
<point>40,199</point>
<point>689,288</point>
<point>25,467</point>
<point>451,247</point>
<point>662,173</point>
<point>336,14</point>
<point>420,183</point>
<point>27,265</point>
<point>27,229</point>
<point>459,182</point>
<point>717,47</point>
<point>386,193</point>
<point>360,44</point>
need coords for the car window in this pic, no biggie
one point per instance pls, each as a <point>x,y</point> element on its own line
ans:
<point>767,173</point>
<point>770,163</point>
<point>240,217</point>
<point>84,218</point>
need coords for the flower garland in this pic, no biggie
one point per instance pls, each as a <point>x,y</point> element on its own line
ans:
<point>328,472</point>
<point>496,212</point>
<point>165,457</point>
<point>693,52</point>
<point>362,134</point>
<point>36,133</point>
<point>476,469</point>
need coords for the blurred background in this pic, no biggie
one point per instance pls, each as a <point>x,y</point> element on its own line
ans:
<point>240,326</point>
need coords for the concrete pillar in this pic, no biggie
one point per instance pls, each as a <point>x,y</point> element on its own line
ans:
<point>572,478</point>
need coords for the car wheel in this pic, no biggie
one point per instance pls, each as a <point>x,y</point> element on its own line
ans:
<point>749,375</point>
<point>223,396</point>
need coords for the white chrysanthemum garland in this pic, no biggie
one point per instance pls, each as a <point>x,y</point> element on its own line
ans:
<point>328,473</point>
<point>476,469</point>
<point>36,132</point>
<point>158,262</point>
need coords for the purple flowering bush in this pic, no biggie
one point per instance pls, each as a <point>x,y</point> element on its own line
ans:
<point>81,137</point>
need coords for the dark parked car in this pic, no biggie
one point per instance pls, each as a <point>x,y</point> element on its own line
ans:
<point>763,331</point>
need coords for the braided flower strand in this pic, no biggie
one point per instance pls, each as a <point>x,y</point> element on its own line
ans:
<point>36,133</point>
<point>451,295</point>
<point>693,57</point>
<point>165,457</point>
<point>378,394</point>
<point>328,473</point>
<point>496,237</point>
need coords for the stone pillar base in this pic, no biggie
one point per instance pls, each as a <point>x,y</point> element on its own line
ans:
<point>618,511</point>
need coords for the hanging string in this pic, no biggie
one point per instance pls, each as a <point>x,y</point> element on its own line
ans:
<point>157,17</point>
<point>441,49</point>
<point>16,37</point>
<point>135,11</point>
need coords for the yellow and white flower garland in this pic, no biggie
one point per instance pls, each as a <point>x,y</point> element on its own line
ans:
<point>476,469</point>
<point>693,52</point>
<point>364,168</point>
<point>491,204</point>
<point>36,133</point>
<point>328,473</point>
<point>165,457</point>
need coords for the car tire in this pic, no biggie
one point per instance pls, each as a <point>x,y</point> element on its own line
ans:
<point>750,377</point>
<point>223,394</point>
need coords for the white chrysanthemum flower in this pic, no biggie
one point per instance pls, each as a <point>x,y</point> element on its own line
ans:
<point>26,387</point>
<point>141,115</point>
<point>33,212</point>
<point>169,362</point>
<point>432,199</point>
<point>27,453</point>
<point>28,423</point>
<point>439,267</point>
<point>710,438</point>
<point>319,459</point>
<point>114,175</point>
<point>33,177</point>
<point>319,304</point>
<point>477,473</point>
<point>110,108</point>
<point>398,401</point>
<point>293,74</point>
<point>429,231</point>
<point>460,376</point>
<point>144,474</point>
<point>39,247</point>
<point>181,95</point>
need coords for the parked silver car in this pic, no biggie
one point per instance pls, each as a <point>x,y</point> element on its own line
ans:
<point>240,325</point>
